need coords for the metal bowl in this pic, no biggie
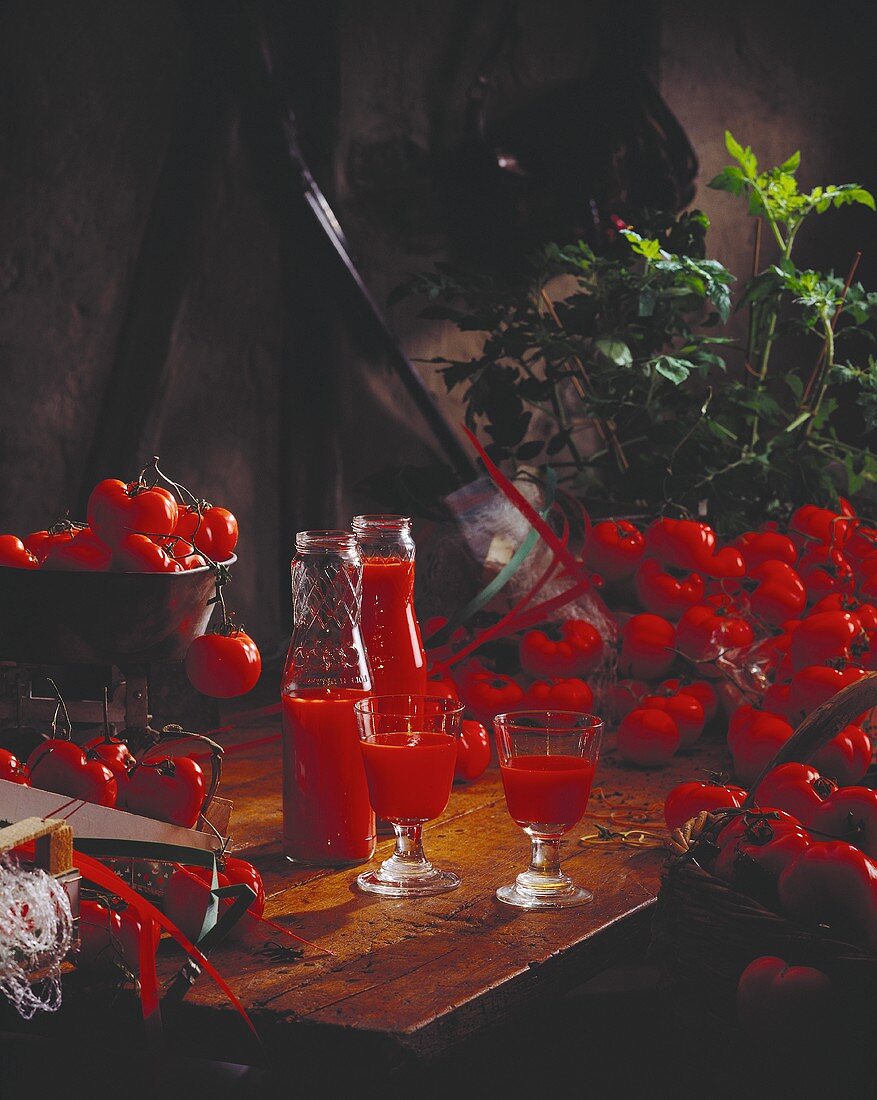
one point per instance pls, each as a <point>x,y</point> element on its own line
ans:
<point>71,617</point>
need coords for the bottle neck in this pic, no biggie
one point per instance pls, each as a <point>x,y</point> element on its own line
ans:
<point>384,537</point>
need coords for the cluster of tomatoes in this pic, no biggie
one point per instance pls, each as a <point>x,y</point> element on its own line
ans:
<point>133,527</point>
<point>111,933</point>
<point>105,772</point>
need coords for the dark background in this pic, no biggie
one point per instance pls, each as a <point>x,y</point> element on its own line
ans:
<point>165,290</point>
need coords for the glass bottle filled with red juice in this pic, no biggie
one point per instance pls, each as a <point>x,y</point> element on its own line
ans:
<point>389,624</point>
<point>327,816</point>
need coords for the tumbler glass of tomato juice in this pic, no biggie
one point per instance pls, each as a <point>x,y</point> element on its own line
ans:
<point>409,749</point>
<point>547,761</point>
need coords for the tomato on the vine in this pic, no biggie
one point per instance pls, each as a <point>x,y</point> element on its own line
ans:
<point>12,769</point>
<point>799,789</point>
<point>850,814</point>
<point>213,530</point>
<point>83,552</point>
<point>823,637</point>
<point>846,757</point>
<point>758,547</point>
<point>662,593</point>
<point>776,998</point>
<point>487,693</point>
<point>615,548</point>
<point>570,649</point>
<point>702,690</point>
<point>779,593</point>
<point>139,554</point>
<point>756,847</point>
<point>167,788</point>
<point>687,800</point>
<point>224,665</point>
<point>647,647</point>
<point>115,510</point>
<point>833,883</point>
<point>565,693</point>
<point>14,553</point>
<point>754,746</point>
<point>63,767</point>
<point>707,630</point>
<point>647,737</point>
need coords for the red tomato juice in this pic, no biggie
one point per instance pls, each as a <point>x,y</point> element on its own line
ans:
<point>390,629</point>
<point>547,790</point>
<point>327,816</point>
<point>410,774</point>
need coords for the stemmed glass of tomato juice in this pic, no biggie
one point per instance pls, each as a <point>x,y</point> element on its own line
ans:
<point>547,761</point>
<point>409,749</point>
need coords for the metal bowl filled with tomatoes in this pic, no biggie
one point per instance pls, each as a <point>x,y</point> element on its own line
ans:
<point>129,586</point>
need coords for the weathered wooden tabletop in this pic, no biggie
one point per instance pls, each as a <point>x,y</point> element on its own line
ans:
<point>407,979</point>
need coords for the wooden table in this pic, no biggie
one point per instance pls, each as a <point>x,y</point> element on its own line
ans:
<point>409,979</point>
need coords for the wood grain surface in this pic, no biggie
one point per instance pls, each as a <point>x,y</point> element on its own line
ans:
<point>411,978</point>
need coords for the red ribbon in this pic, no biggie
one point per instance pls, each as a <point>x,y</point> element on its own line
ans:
<point>96,872</point>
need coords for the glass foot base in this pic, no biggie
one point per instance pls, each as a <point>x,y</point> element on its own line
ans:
<point>564,896</point>
<point>389,885</point>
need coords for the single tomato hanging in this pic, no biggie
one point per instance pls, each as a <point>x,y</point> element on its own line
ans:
<point>224,665</point>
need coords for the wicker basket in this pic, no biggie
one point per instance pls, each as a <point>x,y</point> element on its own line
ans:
<point>705,932</point>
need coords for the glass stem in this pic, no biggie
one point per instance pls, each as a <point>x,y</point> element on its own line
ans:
<point>545,857</point>
<point>409,843</point>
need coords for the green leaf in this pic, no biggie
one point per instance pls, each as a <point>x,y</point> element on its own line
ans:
<point>675,370</point>
<point>790,166</point>
<point>616,351</point>
<point>796,385</point>
<point>730,179</point>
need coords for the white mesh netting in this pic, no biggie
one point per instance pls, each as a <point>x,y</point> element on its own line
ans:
<point>36,932</point>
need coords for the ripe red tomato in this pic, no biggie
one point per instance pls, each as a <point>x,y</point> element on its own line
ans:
<point>846,757</point>
<point>560,694</point>
<point>40,542</point>
<point>703,692</point>
<point>812,524</point>
<point>63,767</point>
<point>824,570</point>
<point>115,510</point>
<point>761,546</point>
<point>647,737</point>
<point>685,711</point>
<point>775,998</point>
<point>12,769</point>
<point>99,930</point>
<point>14,553</point>
<point>647,647</point>
<point>131,931</point>
<point>683,543</point>
<point>139,554</point>
<point>615,548</point>
<point>850,814</point>
<point>241,871</point>
<point>755,848</point>
<point>216,534</point>
<point>709,629</point>
<point>823,637</point>
<point>115,754</point>
<point>662,593</point>
<point>757,744</point>
<point>442,685</point>
<point>687,800</point>
<point>224,665</point>
<point>570,649</point>
<point>866,613</point>
<point>84,552</point>
<point>779,594</point>
<point>622,696</point>
<point>487,694</point>
<point>833,883</point>
<point>186,896</point>
<point>169,789</point>
<point>473,750</point>
<point>798,789</point>
<point>816,684</point>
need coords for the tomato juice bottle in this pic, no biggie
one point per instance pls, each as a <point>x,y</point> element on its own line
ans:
<point>327,816</point>
<point>389,624</point>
